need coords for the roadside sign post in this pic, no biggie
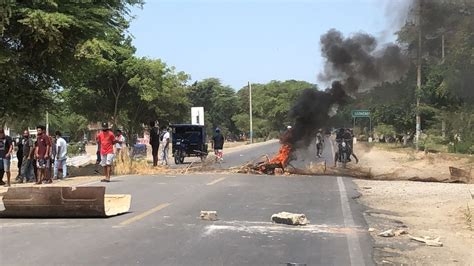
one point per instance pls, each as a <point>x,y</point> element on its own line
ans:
<point>197,116</point>
<point>362,114</point>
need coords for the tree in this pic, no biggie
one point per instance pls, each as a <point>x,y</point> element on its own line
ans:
<point>43,45</point>
<point>219,104</point>
<point>271,104</point>
<point>131,91</point>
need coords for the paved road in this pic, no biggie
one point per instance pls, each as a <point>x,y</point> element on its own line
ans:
<point>239,156</point>
<point>163,228</point>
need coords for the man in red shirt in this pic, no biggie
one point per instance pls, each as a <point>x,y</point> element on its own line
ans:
<point>42,151</point>
<point>106,139</point>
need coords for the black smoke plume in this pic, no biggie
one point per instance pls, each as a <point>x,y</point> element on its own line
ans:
<point>358,61</point>
<point>352,65</point>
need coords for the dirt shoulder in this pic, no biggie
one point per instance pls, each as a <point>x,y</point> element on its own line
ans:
<point>392,163</point>
<point>423,209</point>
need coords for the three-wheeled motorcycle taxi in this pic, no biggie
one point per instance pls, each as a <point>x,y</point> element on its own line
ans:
<point>188,141</point>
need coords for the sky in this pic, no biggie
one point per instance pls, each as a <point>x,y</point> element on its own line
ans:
<point>256,41</point>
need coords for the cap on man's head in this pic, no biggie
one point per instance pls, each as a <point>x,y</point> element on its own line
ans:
<point>218,129</point>
<point>105,125</point>
<point>288,127</point>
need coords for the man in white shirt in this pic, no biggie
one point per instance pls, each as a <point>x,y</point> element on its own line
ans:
<point>119,144</point>
<point>61,156</point>
<point>165,143</point>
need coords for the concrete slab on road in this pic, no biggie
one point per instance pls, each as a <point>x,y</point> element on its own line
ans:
<point>163,228</point>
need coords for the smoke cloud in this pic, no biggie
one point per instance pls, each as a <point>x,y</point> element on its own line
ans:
<point>358,61</point>
<point>352,65</point>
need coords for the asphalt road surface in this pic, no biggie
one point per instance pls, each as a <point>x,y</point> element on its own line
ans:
<point>163,225</point>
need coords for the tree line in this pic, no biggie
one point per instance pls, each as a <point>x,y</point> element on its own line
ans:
<point>445,30</point>
<point>75,60</point>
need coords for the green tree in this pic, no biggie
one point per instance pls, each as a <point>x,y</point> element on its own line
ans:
<point>271,103</point>
<point>43,46</point>
<point>219,104</point>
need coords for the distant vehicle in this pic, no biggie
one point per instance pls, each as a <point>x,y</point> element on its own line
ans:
<point>344,152</point>
<point>188,140</point>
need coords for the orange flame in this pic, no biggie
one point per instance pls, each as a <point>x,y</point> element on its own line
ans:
<point>283,155</point>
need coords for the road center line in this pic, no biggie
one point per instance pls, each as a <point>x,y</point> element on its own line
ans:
<point>355,252</point>
<point>144,214</point>
<point>215,181</point>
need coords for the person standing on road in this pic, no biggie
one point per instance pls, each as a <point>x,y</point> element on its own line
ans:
<point>319,143</point>
<point>6,148</point>
<point>119,144</point>
<point>42,153</point>
<point>28,150</point>
<point>19,157</point>
<point>61,156</point>
<point>165,143</point>
<point>154,142</point>
<point>218,144</point>
<point>106,139</point>
<point>98,159</point>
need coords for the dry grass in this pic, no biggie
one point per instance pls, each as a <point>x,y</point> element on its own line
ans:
<point>468,217</point>
<point>125,165</point>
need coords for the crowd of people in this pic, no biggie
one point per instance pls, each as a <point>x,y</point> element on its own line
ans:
<point>44,158</point>
<point>40,160</point>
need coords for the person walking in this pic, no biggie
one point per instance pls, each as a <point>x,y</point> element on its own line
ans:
<point>61,156</point>
<point>6,148</point>
<point>218,145</point>
<point>154,141</point>
<point>165,143</point>
<point>106,140</point>
<point>42,153</point>
<point>28,150</point>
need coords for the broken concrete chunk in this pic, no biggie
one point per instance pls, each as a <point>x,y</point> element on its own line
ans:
<point>209,215</point>
<point>290,218</point>
<point>428,241</point>
<point>371,229</point>
<point>388,233</point>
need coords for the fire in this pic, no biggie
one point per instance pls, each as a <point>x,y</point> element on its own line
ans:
<point>283,156</point>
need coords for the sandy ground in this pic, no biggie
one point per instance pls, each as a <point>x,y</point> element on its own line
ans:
<point>391,163</point>
<point>430,209</point>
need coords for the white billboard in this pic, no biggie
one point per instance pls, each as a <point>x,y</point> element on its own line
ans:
<point>197,116</point>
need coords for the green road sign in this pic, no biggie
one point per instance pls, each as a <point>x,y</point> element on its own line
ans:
<point>360,113</point>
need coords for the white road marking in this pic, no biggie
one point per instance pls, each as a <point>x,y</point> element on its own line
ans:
<point>269,227</point>
<point>216,181</point>
<point>355,252</point>
<point>144,214</point>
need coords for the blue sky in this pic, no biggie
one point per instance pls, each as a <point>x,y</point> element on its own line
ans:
<point>256,41</point>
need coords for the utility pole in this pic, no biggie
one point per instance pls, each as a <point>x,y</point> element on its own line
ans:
<point>47,123</point>
<point>418,79</point>
<point>443,121</point>
<point>250,111</point>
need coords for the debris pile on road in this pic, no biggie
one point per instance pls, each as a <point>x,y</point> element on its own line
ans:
<point>209,215</point>
<point>265,166</point>
<point>290,218</point>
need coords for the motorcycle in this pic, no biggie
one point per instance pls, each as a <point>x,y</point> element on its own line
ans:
<point>344,152</point>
